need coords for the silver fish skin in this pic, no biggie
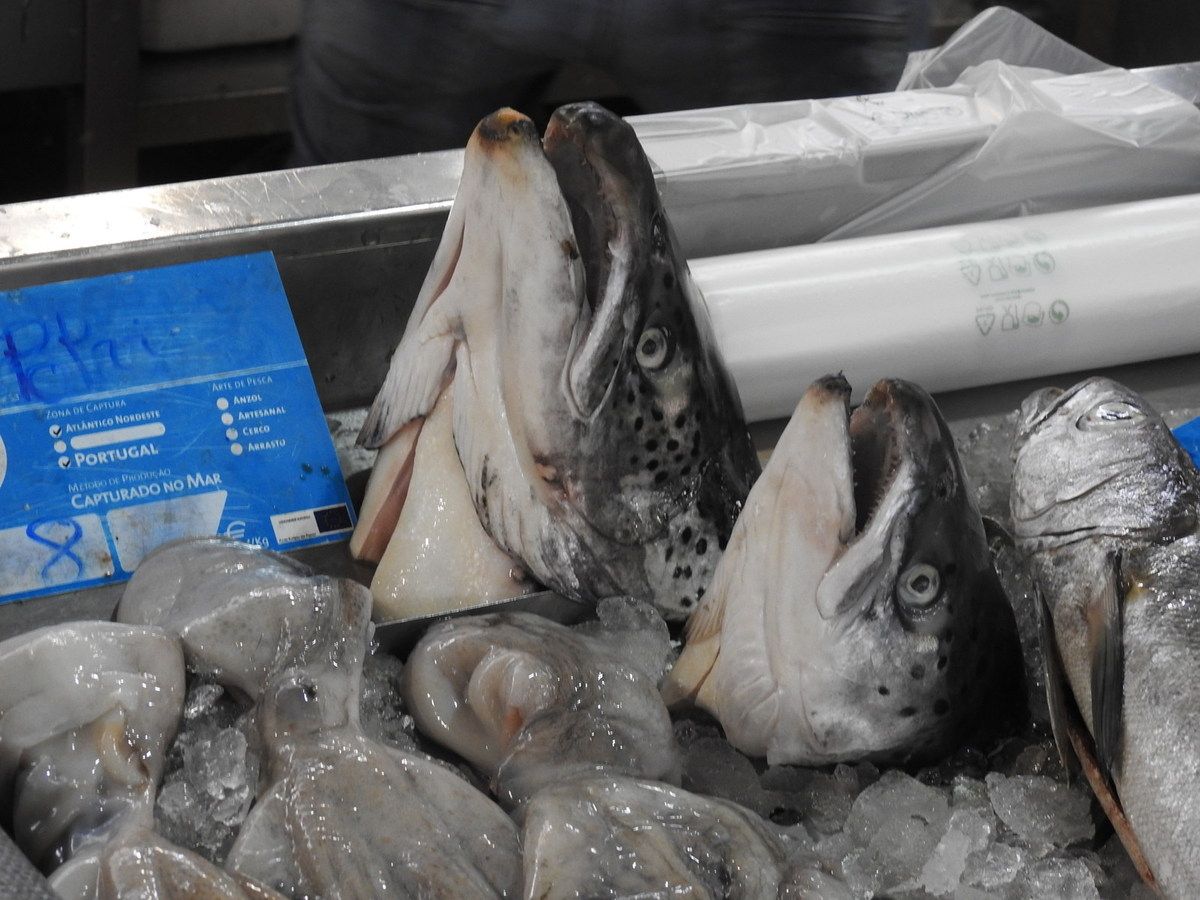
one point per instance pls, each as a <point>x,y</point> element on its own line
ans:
<point>855,613</point>
<point>530,702</point>
<point>600,437</point>
<point>1096,472</point>
<point>611,836</point>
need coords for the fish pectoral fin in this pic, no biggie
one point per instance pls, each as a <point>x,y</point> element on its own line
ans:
<point>688,681</point>
<point>1074,743</point>
<point>421,368</point>
<point>1064,715</point>
<point>1107,649</point>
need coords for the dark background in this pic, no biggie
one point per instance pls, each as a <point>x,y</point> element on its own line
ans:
<point>82,108</point>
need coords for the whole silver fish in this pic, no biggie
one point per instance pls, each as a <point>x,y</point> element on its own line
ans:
<point>855,612</point>
<point>1106,505</point>
<point>600,437</point>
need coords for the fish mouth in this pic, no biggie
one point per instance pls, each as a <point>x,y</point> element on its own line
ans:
<point>601,174</point>
<point>878,444</point>
<point>873,459</point>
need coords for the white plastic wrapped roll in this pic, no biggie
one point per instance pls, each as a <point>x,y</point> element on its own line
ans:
<point>960,306</point>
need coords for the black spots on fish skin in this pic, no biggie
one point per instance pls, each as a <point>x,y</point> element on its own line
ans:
<point>661,478</point>
<point>656,413</point>
<point>687,602</point>
<point>686,535</point>
<point>907,712</point>
<point>941,663</point>
<point>883,690</point>
<point>917,671</point>
<point>702,546</point>
<point>681,420</point>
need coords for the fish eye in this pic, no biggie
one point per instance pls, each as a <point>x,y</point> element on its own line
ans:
<point>654,348</point>
<point>920,585</point>
<point>1110,414</point>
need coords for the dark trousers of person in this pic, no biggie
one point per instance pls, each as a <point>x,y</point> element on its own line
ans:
<point>385,77</point>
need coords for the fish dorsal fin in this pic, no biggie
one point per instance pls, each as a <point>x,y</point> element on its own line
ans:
<point>1106,643</point>
<point>424,358</point>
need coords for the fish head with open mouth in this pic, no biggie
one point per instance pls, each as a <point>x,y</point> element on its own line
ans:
<point>1097,458</point>
<point>656,452</point>
<point>861,616</point>
<point>601,439</point>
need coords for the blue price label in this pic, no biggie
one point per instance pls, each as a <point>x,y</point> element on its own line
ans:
<point>1188,435</point>
<point>147,406</point>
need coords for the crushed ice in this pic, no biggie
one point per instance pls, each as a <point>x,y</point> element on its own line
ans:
<point>856,832</point>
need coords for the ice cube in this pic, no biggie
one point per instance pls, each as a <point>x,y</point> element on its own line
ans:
<point>635,632</point>
<point>821,800</point>
<point>994,867</point>
<point>896,797</point>
<point>966,832</point>
<point>712,766</point>
<point>986,456</point>
<point>201,700</point>
<point>971,793</point>
<point>380,708</point>
<point>1063,879</point>
<point>900,821</point>
<point>211,775</point>
<point>1040,810</point>
<point>832,849</point>
<point>811,883</point>
<point>1119,874</point>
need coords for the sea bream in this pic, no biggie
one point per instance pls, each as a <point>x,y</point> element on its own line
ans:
<point>855,613</point>
<point>1106,505</point>
<point>558,372</point>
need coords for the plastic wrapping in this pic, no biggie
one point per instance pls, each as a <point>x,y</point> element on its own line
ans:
<point>960,306</point>
<point>997,140</point>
